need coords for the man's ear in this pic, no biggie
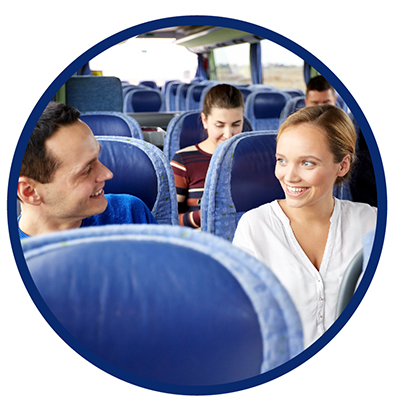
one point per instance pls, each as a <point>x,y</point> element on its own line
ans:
<point>27,191</point>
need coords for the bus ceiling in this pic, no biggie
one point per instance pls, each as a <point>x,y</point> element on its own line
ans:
<point>203,39</point>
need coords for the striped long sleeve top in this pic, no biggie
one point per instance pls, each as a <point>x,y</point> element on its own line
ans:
<point>190,167</point>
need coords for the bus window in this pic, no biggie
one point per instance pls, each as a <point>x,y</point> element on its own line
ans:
<point>281,67</point>
<point>147,59</point>
<point>233,64</point>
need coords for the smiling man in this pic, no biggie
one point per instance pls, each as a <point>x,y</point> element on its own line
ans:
<point>61,179</point>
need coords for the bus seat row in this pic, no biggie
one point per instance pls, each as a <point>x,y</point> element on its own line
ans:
<point>163,303</point>
<point>263,103</point>
<point>240,177</point>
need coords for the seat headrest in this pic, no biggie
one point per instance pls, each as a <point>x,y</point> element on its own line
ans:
<point>164,303</point>
<point>134,172</point>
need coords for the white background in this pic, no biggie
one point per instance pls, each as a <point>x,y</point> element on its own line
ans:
<point>357,41</point>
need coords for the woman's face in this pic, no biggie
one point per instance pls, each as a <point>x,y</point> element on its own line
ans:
<point>305,166</point>
<point>222,124</point>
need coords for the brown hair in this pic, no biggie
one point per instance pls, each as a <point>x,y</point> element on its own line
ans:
<point>38,163</point>
<point>337,127</point>
<point>222,96</point>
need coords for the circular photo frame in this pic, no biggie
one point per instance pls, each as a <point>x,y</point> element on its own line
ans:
<point>309,59</point>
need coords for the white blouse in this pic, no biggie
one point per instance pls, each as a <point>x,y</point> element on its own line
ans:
<point>265,233</point>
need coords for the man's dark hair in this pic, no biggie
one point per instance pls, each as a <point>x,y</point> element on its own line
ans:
<point>319,83</point>
<point>37,163</point>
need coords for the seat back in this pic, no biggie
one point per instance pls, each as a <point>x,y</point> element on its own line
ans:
<point>181,96</point>
<point>141,169</point>
<point>186,130</point>
<point>94,93</point>
<point>263,108</point>
<point>171,94</point>
<point>112,124</point>
<point>291,106</point>
<point>241,176</point>
<point>193,97</point>
<point>163,303</point>
<point>297,102</point>
<point>143,100</point>
<point>150,84</point>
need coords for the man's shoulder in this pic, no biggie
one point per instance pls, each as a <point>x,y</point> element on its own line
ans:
<point>122,209</point>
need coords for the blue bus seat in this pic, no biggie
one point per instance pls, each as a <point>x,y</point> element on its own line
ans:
<point>297,102</point>
<point>293,105</point>
<point>164,303</point>
<point>150,84</point>
<point>170,95</point>
<point>293,92</point>
<point>103,123</point>
<point>354,273</point>
<point>94,93</point>
<point>143,100</point>
<point>142,170</point>
<point>181,95</point>
<point>186,129</point>
<point>193,97</point>
<point>241,176</point>
<point>263,108</point>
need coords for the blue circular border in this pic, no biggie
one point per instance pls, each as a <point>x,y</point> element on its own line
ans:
<point>227,23</point>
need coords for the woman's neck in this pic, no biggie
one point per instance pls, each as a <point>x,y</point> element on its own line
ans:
<point>318,213</point>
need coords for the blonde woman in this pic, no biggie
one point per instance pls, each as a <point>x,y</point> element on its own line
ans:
<point>309,238</point>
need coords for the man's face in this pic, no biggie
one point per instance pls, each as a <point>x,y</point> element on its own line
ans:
<point>314,97</point>
<point>76,190</point>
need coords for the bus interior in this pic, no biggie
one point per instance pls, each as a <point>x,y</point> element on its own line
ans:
<point>151,105</point>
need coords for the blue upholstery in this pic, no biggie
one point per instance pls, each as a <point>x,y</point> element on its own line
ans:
<point>112,124</point>
<point>142,170</point>
<point>143,100</point>
<point>181,95</point>
<point>150,84</point>
<point>297,102</point>
<point>94,93</point>
<point>241,176</point>
<point>186,130</point>
<point>170,95</point>
<point>293,92</point>
<point>293,105</point>
<point>164,303</point>
<point>263,108</point>
<point>193,97</point>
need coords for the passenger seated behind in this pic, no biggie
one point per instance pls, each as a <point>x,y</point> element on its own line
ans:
<point>309,238</point>
<point>61,179</point>
<point>319,91</point>
<point>222,118</point>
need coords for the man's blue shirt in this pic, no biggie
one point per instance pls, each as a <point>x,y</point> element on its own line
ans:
<point>121,209</point>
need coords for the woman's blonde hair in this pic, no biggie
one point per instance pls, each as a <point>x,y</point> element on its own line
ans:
<point>337,127</point>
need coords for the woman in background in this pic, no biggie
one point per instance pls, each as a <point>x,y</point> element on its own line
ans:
<point>222,118</point>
